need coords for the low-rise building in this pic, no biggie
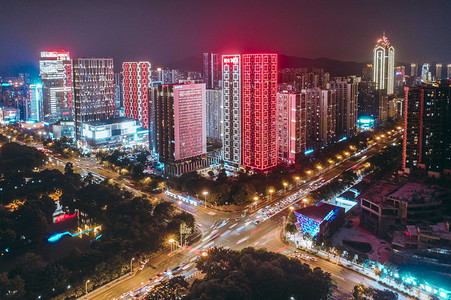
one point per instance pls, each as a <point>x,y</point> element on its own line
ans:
<point>386,205</point>
<point>321,220</point>
<point>113,133</point>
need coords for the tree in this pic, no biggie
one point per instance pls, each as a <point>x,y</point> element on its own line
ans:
<point>339,251</point>
<point>361,291</point>
<point>11,288</point>
<point>257,274</point>
<point>327,245</point>
<point>384,295</point>
<point>291,228</point>
<point>292,218</point>
<point>361,258</point>
<point>174,288</point>
<point>350,255</point>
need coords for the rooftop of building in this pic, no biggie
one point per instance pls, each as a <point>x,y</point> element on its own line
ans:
<point>378,190</point>
<point>318,212</point>
<point>417,192</point>
<point>109,121</point>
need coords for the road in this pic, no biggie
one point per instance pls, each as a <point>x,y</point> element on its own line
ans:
<point>229,230</point>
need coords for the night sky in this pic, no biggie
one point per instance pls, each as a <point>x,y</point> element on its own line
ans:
<point>167,31</point>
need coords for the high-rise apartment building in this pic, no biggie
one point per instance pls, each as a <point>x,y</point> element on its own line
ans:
<point>413,70</point>
<point>214,114</point>
<point>400,78</point>
<point>34,107</point>
<point>55,68</point>
<point>346,90</point>
<point>291,125</point>
<point>448,71</point>
<point>438,71</point>
<point>118,95</point>
<point>321,118</point>
<point>93,91</point>
<point>383,66</point>
<point>212,72</point>
<point>427,127</point>
<point>180,127</point>
<point>426,76</point>
<point>259,111</point>
<point>135,87</point>
<point>231,93</point>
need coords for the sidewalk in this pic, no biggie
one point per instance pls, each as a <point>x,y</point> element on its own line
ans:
<point>301,244</point>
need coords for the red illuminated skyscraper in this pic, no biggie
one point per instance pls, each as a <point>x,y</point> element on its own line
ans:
<point>259,111</point>
<point>136,80</point>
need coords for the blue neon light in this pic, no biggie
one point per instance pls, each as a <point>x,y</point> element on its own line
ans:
<point>342,139</point>
<point>99,236</point>
<point>308,152</point>
<point>6,84</point>
<point>57,236</point>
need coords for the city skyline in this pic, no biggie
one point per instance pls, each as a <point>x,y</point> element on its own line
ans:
<point>29,29</point>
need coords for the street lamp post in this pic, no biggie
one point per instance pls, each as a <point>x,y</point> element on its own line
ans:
<point>86,286</point>
<point>270,194</point>
<point>255,203</point>
<point>131,265</point>
<point>285,187</point>
<point>205,197</point>
<point>172,243</point>
<point>297,178</point>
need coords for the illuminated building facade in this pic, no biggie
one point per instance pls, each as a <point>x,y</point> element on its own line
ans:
<point>231,93</point>
<point>383,65</point>
<point>34,107</point>
<point>114,132</point>
<point>212,71</point>
<point>180,127</point>
<point>438,71</point>
<point>135,85</point>
<point>291,125</point>
<point>259,111</point>
<point>413,70</point>
<point>346,90</point>
<point>426,76</point>
<point>320,220</point>
<point>93,91</point>
<point>55,68</point>
<point>427,128</point>
<point>400,78</point>
<point>448,71</point>
<point>321,118</point>
<point>118,96</point>
<point>214,114</point>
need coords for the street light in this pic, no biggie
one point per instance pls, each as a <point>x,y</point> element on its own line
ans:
<point>291,208</point>
<point>305,200</point>
<point>9,137</point>
<point>285,186</point>
<point>255,203</point>
<point>131,265</point>
<point>270,194</point>
<point>86,287</point>
<point>205,197</point>
<point>171,241</point>
<point>309,172</point>
<point>297,178</point>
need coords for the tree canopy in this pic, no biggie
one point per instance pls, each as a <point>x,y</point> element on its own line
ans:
<point>257,274</point>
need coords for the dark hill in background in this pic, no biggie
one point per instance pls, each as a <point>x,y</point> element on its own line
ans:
<point>335,67</point>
